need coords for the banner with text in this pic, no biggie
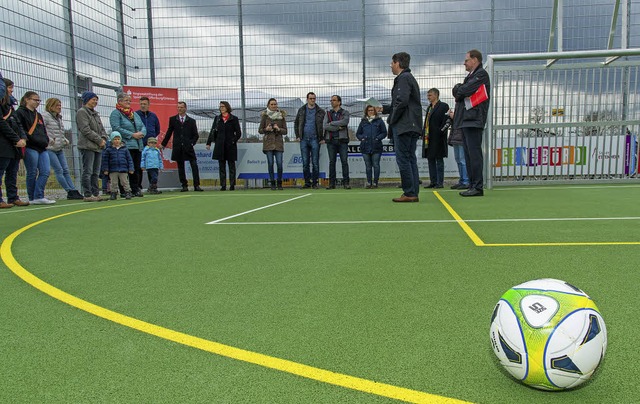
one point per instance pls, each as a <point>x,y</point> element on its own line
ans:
<point>163,102</point>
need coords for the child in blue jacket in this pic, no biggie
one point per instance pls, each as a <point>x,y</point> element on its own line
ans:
<point>117,163</point>
<point>152,162</point>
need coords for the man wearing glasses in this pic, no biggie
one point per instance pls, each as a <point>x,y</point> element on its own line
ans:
<point>308,129</point>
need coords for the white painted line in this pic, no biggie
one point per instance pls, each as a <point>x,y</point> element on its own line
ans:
<point>427,221</point>
<point>257,209</point>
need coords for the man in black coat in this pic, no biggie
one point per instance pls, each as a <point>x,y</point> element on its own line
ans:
<point>472,120</point>
<point>405,121</point>
<point>435,139</point>
<point>184,130</point>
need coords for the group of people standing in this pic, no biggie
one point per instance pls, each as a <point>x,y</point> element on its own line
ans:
<point>133,146</point>
<point>39,140</point>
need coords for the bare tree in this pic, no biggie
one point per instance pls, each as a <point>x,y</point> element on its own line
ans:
<point>601,123</point>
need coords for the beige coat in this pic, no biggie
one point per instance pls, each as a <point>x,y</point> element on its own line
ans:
<point>272,140</point>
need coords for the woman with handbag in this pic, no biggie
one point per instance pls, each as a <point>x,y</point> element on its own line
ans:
<point>36,158</point>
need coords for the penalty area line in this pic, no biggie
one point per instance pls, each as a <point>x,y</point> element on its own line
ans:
<point>257,209</point>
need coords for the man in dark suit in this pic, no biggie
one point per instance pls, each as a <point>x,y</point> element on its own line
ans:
<point>472,120</point>
<point>435,147</point>
<point>186,136</point>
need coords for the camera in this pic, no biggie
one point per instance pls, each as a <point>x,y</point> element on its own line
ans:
<point>446,125</point>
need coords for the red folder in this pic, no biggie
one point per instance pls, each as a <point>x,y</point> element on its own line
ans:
<point>476,98</point>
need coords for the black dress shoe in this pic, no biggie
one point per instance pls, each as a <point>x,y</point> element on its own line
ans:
<point>198,189</point>
<point>472,192</point>
<point>459,186</point>
<point>184,189</point>
<point>439,186</point>
<point>223,188</point>
<point>430,186</point>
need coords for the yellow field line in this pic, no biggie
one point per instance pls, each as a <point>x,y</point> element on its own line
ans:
<point>472,235</point>
<point>565,244</point>
<point>309,372</point>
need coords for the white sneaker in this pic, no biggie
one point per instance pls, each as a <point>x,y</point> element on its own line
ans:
<point>42,201</point>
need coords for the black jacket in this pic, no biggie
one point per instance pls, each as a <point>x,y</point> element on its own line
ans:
<point>185,136</point>
<point>225,136</point>
<point>475,117</point>
<point>10,133</point>
<point>38,140</point>
<point>405,111</point>
<point>437,147</point>
<point>301,117</point>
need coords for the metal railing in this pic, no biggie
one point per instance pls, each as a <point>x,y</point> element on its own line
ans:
<point>563,116</point>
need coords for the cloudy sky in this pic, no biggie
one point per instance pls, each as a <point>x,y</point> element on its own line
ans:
<point>289,47</point>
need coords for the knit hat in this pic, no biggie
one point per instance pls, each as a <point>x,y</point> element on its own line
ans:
<point>115,134</point>
<point>152,139</point>
<point>87,96</point>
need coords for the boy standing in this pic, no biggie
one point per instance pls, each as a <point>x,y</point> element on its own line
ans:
<point>152,162</point>
<point>117,162</point>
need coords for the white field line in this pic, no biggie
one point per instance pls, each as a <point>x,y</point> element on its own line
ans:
<point>257,209</point>
<point>424,221</point>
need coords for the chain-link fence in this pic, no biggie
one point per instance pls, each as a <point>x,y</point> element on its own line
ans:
<point>246,51</point>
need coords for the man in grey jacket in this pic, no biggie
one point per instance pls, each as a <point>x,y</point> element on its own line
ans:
<point>336,131</point>
<point>405,121</point>
<point>92,138</point>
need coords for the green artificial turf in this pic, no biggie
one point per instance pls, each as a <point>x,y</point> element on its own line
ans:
<point>339,280</point>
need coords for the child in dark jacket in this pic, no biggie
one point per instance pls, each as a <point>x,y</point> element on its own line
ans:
<point>117,163</point>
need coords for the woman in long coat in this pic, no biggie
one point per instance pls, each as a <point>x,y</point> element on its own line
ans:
<point>274,127</point>
<point>435,140</point>
<point>225,134</point>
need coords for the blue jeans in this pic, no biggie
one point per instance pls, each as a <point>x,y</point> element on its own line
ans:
<point>405,147</point>
<point>310,152</point>
<point>372,163</point>
<point>334,147</point>
<point>61,169</point>
<point>278,155</point>
<point>458,153</point>
<point>436,171</point>
<point>38,169</point>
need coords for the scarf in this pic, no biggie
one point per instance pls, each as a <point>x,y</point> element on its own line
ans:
<point>274,115</point>
<point>128,112</point>
<point>370,118</point>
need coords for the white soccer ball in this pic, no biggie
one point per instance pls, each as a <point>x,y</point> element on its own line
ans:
<point>548,334</point>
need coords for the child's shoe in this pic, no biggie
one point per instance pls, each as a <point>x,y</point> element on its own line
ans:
<point>127,195</point>
<point>114,196</point>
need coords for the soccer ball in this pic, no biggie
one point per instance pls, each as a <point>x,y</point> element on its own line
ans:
<point>548,334</point>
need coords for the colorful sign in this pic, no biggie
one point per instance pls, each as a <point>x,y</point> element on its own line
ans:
<point>163,102</point>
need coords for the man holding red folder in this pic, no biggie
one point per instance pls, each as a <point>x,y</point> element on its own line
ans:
<point>472,107</point>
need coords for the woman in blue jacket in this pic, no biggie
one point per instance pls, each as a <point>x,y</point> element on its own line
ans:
<point>370,133</point>
<point>129,124</point>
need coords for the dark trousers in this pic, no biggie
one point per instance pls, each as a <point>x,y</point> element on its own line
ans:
<point>11,180</point>
<point>135,179</point>
<point>473,156</point>
<point>334,147</point>
<point>436,171</point>
<point>194,170</point>
<point>222,170</point>
<point>405,147</point>
<point>4,163</point>
<point>152,176</point>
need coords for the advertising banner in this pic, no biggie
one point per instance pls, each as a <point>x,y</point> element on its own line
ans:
<point>561,156</point>
<point>252,162</point>
<point>163,102</point>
